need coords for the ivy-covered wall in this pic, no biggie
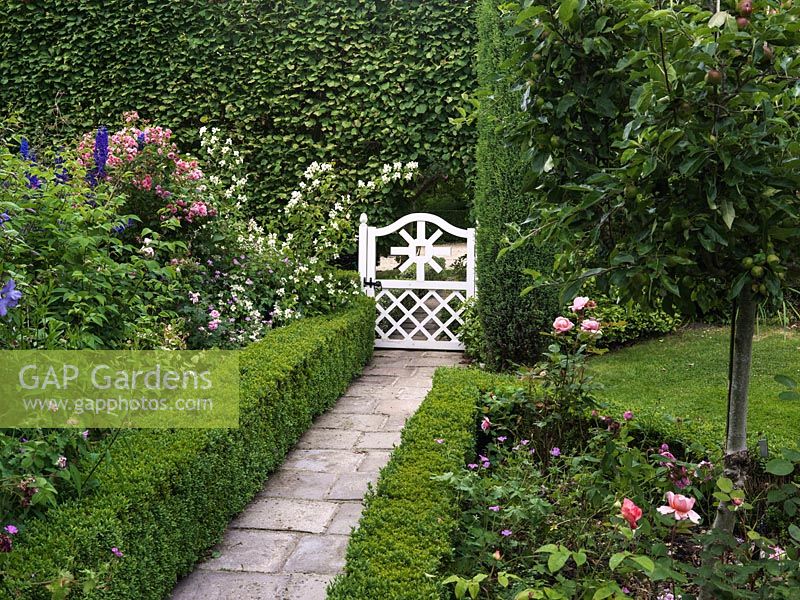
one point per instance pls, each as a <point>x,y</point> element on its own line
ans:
<point>359,82</point>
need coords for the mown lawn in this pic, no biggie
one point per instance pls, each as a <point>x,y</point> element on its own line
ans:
<point>683,376</point>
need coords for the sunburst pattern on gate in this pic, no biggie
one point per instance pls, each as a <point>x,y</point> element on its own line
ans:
<point>417,313</point>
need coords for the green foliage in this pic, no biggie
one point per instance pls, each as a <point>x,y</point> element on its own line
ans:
<point>512,323</point>
<point>693,199</point>
<point>39,469</point>
<point>524,526</point>
<point>175,491</point>
<point>626,322</point>
<point>471,333</point>
<point>356,82</point>
<point>82,285</point>
<point>406,528</point>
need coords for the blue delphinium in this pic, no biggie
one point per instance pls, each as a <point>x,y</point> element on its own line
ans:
<point>26,152</point>
<point>101,151</point>
<point>4,218</point>
<point>119,228</point>
<point>9,297</point>
<point>100,157</point>
<point>140,140</point>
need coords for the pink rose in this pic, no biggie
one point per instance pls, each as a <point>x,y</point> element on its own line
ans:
<point>680,507</point>
<point>486,424</point>
<point>562,325</point>
<point>579,303</point>
<point>631,513</point>
<point>590,325</point>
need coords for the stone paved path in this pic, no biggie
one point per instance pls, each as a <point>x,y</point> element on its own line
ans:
<point>290,542</point>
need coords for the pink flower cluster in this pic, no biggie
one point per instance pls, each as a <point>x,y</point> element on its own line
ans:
<point>190,212</point>
<point>588,325</point>
<point>136,139</point>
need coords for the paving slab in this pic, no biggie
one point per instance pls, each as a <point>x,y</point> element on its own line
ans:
<point>355,422</point>
<point>305,485</point>
<point>305,586</point>
<point>291,540</point>
<point>286,514</point>
<point>374,461</point>
<point>218,585</point>
<point>328,439</point>
<point>323,460</point>
<point>379,440</point>
<point>351,486</point>
<point>346,518</point>
<point>252,551</point>
<point>323,554</point>
<point>354,405</point>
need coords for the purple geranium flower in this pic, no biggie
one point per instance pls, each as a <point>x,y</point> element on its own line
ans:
<point>11,529</point>
<point>9,297</point>
<point>555,451</point>
<point>116,552</point>
<point>506,532</point>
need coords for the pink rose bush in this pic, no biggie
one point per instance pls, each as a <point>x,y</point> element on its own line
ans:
<point>161,184</point>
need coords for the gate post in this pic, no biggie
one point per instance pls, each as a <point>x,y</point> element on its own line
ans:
<point>363,243</point>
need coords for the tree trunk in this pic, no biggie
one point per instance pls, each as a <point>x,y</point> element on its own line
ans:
<point>736,458</point>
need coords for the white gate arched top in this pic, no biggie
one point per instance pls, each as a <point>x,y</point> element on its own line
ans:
<point>415,218</point>
<point>416,313</point>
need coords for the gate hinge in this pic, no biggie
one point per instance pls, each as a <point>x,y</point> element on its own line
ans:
<point>373,284</point>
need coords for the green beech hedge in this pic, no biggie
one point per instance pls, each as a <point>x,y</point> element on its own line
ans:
<point>168,495</point>
<point>407,524</point>
<point>512,323</point>
<point>360,82</point>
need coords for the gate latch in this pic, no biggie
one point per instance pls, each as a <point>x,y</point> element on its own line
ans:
<point>377,285</point>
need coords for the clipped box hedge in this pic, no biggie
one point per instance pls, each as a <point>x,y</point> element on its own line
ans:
<point>167,496</point>
<point>405,531</point>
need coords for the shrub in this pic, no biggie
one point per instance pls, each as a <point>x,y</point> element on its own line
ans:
<point>512,323</point>
<point>625,323</point>
<point>408,523</point>
<point>82,285</point>
<point>471,333</point>
<point>168,495</point>
<point>273,74</point>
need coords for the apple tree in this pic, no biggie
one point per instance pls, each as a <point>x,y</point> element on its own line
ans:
<point>696,206</point>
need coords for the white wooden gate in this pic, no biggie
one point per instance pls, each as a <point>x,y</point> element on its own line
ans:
<point>416,313</point>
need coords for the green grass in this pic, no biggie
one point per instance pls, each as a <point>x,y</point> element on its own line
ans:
<point>684,376</point>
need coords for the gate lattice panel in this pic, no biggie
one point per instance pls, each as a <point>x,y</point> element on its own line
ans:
<point>417,313</point>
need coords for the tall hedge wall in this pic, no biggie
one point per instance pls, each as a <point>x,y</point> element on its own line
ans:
<point>512,323</point>
<point>167,496</point>
<point>360,82</point>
